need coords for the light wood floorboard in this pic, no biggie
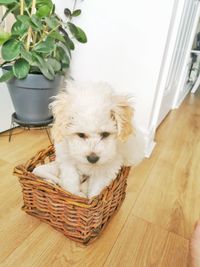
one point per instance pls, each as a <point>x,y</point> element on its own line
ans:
<point>151,229</point>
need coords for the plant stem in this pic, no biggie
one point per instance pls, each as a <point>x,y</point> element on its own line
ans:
<point>27,11</point>
<point>45,34</point>
<point>74,6</point>
<point>24,36</point>
<point>21,7</point>
<point>29,29</point>
<point>35,37</point>
<point>33,7</point>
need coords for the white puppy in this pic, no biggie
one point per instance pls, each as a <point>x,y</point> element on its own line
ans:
<point>93,136</point>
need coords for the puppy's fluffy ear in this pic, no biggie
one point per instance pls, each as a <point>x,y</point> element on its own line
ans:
<point>122,113</point>
<point>59,109</point>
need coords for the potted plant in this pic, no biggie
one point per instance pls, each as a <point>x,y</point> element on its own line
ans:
<point>36,53</point>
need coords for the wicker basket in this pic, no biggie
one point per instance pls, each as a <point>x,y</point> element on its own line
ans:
<point>78,218</point>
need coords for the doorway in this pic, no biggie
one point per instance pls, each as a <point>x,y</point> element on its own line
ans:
<point>173,84</point>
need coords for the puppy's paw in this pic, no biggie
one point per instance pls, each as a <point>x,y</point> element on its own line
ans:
<point>93,194</point>
<point>48,172</point>
<point>75,190</point>
<point>95,188</point>
<point>81,194</point>
<point>53,180</point>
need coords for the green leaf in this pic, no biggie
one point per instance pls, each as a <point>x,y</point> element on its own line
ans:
<point>52,22</point>
<point>24,19</point>
<point>44,11</point>
<point>57,36</point>
<point>53,9</point>
<point>54,63</point>
<point>51,70</point>
<point>15,8</point>
<point>19,28</point>
<point>10,50</point>
<point>67,12</point>
<point>76,13</point>
<point>34,70</point>
<point>28,3</point>
<point>77,32</point>
<point>36,22</point>
<point>45,69</point>
<point>46,46</point>
<point>6,76</point>
<point>72,27</point>
<point>4,36</point>
<point>40,3</point>
<point>62,56</point>
<point>81,36</point>
<point>69,43</point>
<point>26,55</point>
<point>7,2</point>
<point>21,68</point>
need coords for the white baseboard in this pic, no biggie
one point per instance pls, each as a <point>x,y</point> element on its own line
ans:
<point>149,149</point>
<point>182,96</point>
<point>149,135</point>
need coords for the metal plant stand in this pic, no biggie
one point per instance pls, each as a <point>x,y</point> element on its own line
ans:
<point>43,125</point>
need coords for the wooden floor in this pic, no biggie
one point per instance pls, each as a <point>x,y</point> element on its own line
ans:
<point>153,225</point>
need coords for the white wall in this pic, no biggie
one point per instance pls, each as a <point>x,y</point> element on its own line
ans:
<point>6,108</point>
<point>126,42</point>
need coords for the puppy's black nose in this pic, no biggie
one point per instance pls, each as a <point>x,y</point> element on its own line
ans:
<point>92,158</point>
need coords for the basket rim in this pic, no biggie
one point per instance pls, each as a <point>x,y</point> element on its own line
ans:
<point>22,172</point>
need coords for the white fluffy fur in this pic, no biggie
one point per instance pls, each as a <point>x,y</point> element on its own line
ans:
<point>91,108</point>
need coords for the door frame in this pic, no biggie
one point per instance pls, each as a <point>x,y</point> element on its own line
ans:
<point>171,42</point>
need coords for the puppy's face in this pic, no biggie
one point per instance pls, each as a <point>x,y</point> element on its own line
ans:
<point>92,122</point>
<point>92,138</point>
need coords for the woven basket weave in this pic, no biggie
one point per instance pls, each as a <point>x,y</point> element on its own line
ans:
<point>80,219</point>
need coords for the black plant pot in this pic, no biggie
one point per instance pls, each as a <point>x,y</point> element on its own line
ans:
<point>32,96</point>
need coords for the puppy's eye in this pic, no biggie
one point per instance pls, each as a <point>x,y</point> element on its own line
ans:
<point>104,134</point>
<point>82,135</point>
